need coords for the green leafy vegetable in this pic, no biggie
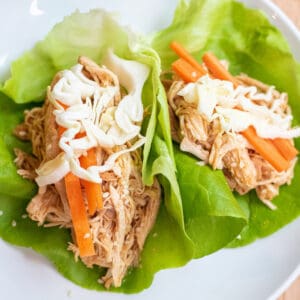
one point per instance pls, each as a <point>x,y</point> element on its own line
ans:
<point>212,215</point>
<point>262,221</point>
<point>253,46</point>
<point>11,114</point>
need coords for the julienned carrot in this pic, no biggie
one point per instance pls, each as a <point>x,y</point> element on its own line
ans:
<point>92,189</point>
<point>78,211</point>
<point>61,130</point>
<point>185,70</point>
<point>217,69</point>
<point>79,217</point>
<point>65,106</point>
<point>266,149</point>
<point>184,54</point>
<point>80,135</point>
<point>285,147</point>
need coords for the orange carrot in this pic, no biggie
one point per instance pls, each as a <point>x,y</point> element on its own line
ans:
<point>80,135</point>
<point>65,106</point>
<point>285,147</point>
<point>184,54</point>
<point>79,217</point>
<point>185,71</point>
<point>217,69</point>
<point>78,212</point>
<point>92,189</point>
<point>61,130</point>
<point>266,149</point>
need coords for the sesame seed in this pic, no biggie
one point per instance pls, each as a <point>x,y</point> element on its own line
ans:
<point>24,216</point>
<point>87,235</point>
<point>13,223</point>
<point>154,234</point>
<point>1,212</point>
<point>105,195</point>
<point>201,163</point>
<point>22,133</point>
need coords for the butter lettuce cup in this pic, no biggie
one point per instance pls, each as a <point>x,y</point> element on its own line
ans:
<point>233,88</point>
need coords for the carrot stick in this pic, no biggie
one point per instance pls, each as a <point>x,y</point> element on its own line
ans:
<point>80,135</point>
<point>65,106</point>
<point>78,212</point>
<point>184,54</point>
<point>217,69</point>
<point>285,147</point>
<point>185,71</point>
<point>266,149</point>
<point>79,216</point>
<point>92,189</point>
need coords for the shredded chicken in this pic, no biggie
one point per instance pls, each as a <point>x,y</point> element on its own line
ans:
<point>243,168</point>
<point>120,228</point>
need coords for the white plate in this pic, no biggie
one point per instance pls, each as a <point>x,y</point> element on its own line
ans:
<point>257,271</point>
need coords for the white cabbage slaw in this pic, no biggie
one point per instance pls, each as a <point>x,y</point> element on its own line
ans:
<point>236,108</point>
<point>82,106</point>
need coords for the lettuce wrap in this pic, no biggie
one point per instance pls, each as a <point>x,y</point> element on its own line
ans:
<point>169,244</point>
<point>251,45</point>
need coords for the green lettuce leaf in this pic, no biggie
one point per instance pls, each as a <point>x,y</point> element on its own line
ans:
<point>91,34</point>
<point>213,217</point>
<point>253,46</point>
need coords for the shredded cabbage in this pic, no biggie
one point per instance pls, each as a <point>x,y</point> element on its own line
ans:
<point>83,106</point>
<point>236,108</point>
